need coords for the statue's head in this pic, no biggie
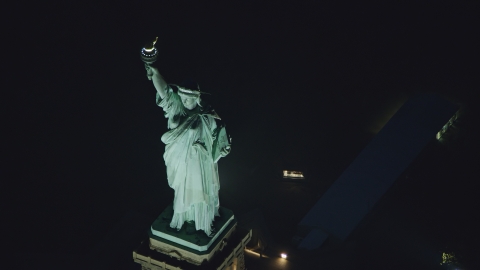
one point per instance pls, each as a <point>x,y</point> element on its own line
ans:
<point>189,93</point>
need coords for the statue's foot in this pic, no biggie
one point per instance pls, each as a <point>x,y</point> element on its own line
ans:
<point>213,231</point>
<point>190,228</point>
<point>174,230</point>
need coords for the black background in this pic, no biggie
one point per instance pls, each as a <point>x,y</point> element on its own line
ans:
<point>300,86</point>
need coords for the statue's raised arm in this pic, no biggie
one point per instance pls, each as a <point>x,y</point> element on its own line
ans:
<point>158,81</point>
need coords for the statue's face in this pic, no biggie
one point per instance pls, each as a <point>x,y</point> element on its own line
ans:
<point>189,102</point>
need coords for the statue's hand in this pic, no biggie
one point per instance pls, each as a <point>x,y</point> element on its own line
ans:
<point>225,151</point>
<point>150,71</point>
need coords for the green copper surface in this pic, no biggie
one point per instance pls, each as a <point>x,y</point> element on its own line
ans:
<point>196,240</point>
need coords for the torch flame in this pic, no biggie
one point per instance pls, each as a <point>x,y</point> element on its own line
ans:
<point>151,46</point>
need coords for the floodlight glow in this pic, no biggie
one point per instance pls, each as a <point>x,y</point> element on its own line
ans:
<point>283,255</point>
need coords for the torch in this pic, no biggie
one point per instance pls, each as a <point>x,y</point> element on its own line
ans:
<point>149,55</point>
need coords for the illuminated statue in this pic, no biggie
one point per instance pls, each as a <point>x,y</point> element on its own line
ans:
<point>194,144</point>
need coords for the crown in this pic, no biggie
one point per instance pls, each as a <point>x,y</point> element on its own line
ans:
<point>189,92</point>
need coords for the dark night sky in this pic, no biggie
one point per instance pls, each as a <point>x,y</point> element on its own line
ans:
<point>299,86</point>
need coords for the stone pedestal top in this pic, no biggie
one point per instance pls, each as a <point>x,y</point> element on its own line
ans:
<point>196,240</point>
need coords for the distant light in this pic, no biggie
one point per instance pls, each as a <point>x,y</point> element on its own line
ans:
<point>283,255</point>
<point>293,174</point>
<point>448,258</point>
<point>447,126</point>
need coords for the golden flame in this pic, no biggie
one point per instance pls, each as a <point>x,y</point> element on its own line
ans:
<point>151,46</point>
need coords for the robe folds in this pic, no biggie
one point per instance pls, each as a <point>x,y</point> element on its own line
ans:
<point>191,170</point>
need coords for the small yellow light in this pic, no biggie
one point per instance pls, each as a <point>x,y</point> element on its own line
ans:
<point>283,255</point>
<point>448,258</point>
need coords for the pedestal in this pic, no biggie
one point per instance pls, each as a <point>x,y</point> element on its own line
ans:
<point>167,248</point>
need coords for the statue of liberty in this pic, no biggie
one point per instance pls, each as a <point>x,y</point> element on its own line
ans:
<point>193,146</point>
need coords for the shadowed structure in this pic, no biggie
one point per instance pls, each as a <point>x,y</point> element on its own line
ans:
<point>374,170</point>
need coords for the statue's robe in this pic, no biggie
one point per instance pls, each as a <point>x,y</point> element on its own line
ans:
<point>191,170</point>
